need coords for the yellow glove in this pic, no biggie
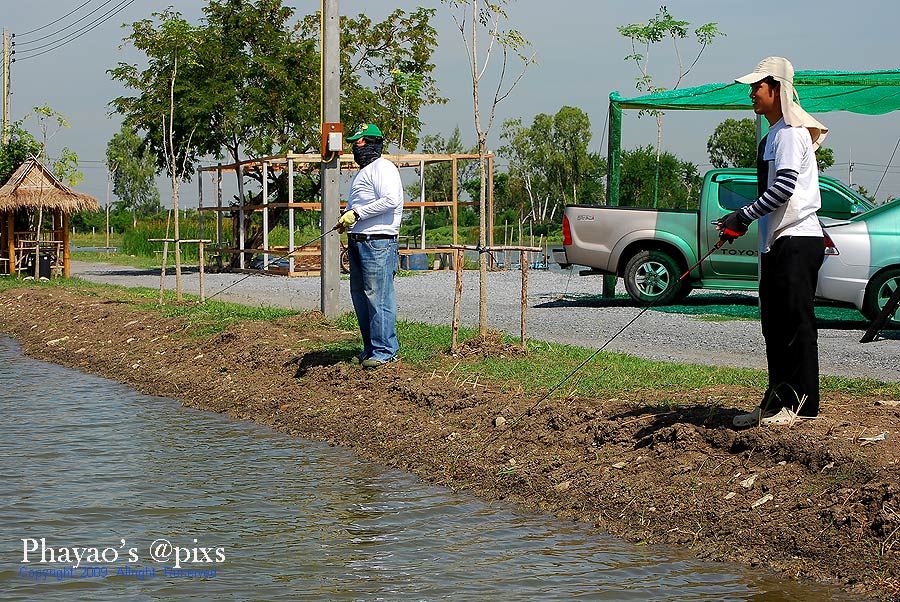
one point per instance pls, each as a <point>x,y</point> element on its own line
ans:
<point>347,220</point>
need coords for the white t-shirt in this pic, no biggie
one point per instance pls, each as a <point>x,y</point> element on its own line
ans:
<point>376,194</point>
<point>791,148</point>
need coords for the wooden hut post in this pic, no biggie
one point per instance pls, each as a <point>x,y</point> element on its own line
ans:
<point>37,244</point>
<point>202,290</point>
<point>265,215</point>
<point>219,216</point>
<point>11,241</point>
<point>200,203</point>
<point>67,271</point>
<point>422,208</point>
<point>490,199</point>
<point>524,301</point>
<point>458,265</point>
<point>291,225</point>
<point>454,211</point>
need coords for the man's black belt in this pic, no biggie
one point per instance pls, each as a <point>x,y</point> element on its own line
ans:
<point>368,237</point>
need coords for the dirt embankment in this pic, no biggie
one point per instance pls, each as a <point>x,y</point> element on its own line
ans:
<point>661,467</point>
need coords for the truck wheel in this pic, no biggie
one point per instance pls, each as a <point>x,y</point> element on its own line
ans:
<point>652,277</point>
<point>879,290</point>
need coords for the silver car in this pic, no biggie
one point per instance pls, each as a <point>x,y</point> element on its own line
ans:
<point>862,260</point>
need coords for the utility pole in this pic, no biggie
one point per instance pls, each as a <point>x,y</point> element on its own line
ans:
<point>331,171</point>
<point>850,170</point>
<point>7,56</point>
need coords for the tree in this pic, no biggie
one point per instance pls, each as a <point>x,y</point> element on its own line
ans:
<point>645,36</point>
<point>166,112</point>
<point>863,192</point>
<point>439,176</point>
<point>133,166</point>
<point>678,186</point>
<point>733,144</point>
<point>824,158</point>
<point>22,145</point>
<point>264,100</point>
<point>474,18</point>
<point>551,160</point>
<point>19,147</point>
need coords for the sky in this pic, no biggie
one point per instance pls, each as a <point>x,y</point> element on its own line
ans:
<point>579,60</point>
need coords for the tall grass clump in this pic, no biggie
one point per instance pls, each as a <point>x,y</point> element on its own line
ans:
<point>136,241</point>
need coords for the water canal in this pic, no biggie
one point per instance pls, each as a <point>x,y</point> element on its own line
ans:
<point>139,484</point>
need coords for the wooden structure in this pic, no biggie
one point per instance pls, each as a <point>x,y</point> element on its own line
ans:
<point>458,264</point>
<point>292,163</point>
<point>34,219</point>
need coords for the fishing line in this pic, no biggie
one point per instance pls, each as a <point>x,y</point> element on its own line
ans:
<point>565,379</point>
<point>888,166</point>
<point>288,254</point>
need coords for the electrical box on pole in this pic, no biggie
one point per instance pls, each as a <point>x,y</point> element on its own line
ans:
<point>332,139</point>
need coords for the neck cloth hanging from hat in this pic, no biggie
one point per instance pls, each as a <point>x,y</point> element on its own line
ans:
<point>783,71</point>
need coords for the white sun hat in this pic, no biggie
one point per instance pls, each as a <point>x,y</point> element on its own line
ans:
<point>781,69</point>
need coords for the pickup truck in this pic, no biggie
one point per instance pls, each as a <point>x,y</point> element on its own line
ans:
<point>651,248</point>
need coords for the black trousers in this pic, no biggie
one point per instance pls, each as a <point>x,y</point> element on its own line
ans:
<point>787,286</point>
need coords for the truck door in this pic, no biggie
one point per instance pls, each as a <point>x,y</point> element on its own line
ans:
<point>738,259</point>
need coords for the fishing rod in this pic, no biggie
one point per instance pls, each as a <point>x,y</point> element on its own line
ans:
<point>288,254</point>
<point>527,412</point>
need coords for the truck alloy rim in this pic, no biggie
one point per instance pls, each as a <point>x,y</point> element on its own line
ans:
<point>653,278</point>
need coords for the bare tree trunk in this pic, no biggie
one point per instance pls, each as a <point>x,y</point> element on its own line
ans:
<point>482,195</point>
<point>175,183</point>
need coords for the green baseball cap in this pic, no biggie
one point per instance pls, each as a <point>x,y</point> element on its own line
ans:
<point>365,129</point>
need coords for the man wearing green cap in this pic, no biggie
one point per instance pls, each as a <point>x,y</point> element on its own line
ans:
<point>372,220</point>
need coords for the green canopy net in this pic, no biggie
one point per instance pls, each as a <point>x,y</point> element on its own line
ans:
<point>865,92</point>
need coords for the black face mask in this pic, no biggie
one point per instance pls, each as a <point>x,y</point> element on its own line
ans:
<point>365,154</point>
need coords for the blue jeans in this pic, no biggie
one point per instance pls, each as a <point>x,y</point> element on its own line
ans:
<point>373,265</point>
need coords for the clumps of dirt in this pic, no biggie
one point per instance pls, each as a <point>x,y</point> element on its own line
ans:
<point>816,501</point>
<point>491,344</point>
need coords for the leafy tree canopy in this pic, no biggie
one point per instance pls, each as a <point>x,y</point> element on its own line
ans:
<point>22,145</point>
<point>679,181</point>
<point>265,98</point>
<point>733,144</point>
<point>549,160</point>
<point>133,166</point>
<point>19,147</point>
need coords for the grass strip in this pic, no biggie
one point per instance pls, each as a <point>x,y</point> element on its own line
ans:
<point>426,347</point>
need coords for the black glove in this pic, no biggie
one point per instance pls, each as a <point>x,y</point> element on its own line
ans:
<point>732,226</point>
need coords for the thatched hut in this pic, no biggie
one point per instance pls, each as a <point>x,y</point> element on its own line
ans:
<point>34,219</point>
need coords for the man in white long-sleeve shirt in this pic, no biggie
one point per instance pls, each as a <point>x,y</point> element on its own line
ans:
<point>374,210</point>
<point>791,246</point>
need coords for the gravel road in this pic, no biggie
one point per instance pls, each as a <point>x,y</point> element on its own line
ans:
<point>562,307</point>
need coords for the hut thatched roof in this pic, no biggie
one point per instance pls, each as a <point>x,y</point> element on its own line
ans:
<point>33,186</point>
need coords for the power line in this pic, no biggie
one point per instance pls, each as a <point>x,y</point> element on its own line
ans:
<point>72,37</point>
<point>57,20</point>
<point>72,24</point>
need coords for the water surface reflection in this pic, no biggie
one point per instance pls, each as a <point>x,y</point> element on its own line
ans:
<point>88,462</point>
